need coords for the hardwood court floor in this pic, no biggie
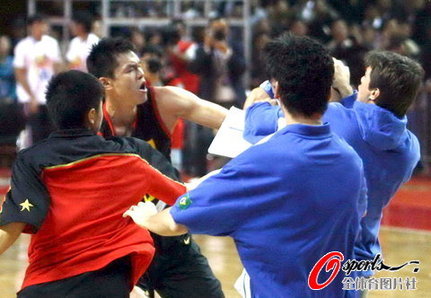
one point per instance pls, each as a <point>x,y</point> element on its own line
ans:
<point>399,246</point>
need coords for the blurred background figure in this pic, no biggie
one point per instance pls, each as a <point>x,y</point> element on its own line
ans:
<point>137,38</point>
<point>7,78</point>
<point>220,63</point>
<point>81,44</point>
<point>11,116</point>
<point>37,59</point>
<point>179,51</point>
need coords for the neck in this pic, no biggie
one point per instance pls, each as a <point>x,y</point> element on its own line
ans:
<point>122,115</point>
<point>83,36</point>
<point>299,119</point>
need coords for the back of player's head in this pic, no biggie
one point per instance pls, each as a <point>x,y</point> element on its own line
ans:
<point>102,60</point>
<point>70,96</point>
<point>304,70</point>
<point>83,18</point>
<point>398,79</point>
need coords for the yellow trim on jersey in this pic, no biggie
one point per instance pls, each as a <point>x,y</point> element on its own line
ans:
<point>94,156</point>
<point>111,154</point>
<point>152,143</point>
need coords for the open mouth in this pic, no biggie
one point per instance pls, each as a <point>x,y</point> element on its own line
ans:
<point>143,87</point>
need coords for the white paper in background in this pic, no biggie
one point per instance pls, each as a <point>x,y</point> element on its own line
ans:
<point>229,141</point>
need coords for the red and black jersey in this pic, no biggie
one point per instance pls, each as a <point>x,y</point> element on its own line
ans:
<point>72,190</point>
<point>148,126</point>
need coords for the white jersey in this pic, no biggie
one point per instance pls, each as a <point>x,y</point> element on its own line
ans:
<point>38,58</point>
<point>79,50</point>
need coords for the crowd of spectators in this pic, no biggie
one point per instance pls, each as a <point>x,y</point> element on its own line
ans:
<point>209,60</point>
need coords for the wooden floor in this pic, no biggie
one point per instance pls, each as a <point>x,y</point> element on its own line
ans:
<point>399,246</point>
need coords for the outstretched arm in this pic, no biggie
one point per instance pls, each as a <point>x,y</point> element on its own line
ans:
<point>174,103</point>
<point>9,233</point>
<point>145,215</point>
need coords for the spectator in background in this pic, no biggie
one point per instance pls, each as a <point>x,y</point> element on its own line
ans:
<point>37,59</point>
<point>346,48</point>
<point>96,28</point>
<point>11,118</point>
<point>258,75</point>
<point>372,17</point>
<point>152,65</point>
<point>7,78</point>
<point>153,37</point>
<point>280,15</point>
<point>319,15</point>
<point>298,27</point>
<point>180,51</point>
<point>81,44</point>
<point>220,63</point>
<point>137,38</point>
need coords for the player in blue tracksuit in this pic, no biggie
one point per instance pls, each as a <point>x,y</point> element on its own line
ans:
<point>286,202</point>
<point>373,122</point>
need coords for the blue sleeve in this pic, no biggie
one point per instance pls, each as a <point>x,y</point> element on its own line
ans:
<point>261,119</point>
<point>363,199</point>
<point>215,207</point>
<point>349,101</point>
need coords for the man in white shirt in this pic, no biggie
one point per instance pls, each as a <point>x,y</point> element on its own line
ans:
<point>80,45</point>
<point>37,59</point>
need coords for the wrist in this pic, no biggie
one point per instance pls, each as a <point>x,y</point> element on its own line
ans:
<point>343,91</point>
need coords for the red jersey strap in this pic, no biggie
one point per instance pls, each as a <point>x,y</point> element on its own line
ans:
<point>157,113</point>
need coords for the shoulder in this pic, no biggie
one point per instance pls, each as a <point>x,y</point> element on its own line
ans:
<point>168,91</point>
<point>74,41</point>
<point>33,155</point>
<point>92,38</point>
<point>336,112</point>
<point>336,107</point>
<point>49,41</point>
<point>22,44</point>
<point>23,41</point>
<point>173,98</point>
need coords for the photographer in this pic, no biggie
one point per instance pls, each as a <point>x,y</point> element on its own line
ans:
<point>220,63</point>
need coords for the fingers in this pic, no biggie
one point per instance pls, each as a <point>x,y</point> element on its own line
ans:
<point>131,211</point>
<point>127,213</point>
<point>143,209</point>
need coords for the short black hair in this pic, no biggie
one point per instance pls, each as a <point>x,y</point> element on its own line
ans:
<point>83,18</point>
<point>398,79</point>
<point>70,96</point>
<point>36,18</point>
<point>102,60</point>
<point>304,70</point>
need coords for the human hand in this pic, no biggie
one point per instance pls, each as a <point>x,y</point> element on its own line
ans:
<point>341,82</point>
<point>141,213</point>
<point>258,95</point>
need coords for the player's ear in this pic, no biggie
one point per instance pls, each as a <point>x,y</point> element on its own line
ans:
<point>374,94</point>
<point>106,82</point>
<point>92,118</point>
